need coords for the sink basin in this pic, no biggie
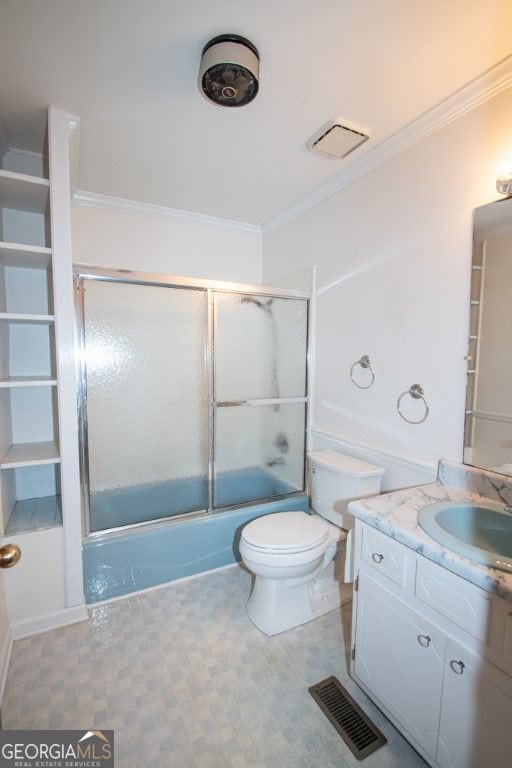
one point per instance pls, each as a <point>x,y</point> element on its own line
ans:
<point>478,532</point>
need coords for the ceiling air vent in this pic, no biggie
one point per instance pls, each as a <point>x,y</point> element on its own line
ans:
<point>337,139</point>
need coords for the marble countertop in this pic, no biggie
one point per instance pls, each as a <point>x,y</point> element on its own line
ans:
<point>396,514</point>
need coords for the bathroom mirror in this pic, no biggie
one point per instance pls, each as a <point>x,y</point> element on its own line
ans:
<point>488,424</point>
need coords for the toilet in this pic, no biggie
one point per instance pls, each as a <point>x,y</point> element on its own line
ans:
<point>299,559</point>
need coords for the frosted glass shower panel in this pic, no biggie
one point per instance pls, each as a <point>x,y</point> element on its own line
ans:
<point>260,346</point>
<point>147,401</point>
<point>259,452</point>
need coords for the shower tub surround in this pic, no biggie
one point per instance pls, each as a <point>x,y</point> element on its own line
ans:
<point>193,403</point>
<point>396,515</point>
<point>139,559</point>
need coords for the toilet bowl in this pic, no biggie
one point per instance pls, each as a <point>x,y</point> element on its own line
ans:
<point>298,559</point>
<point>287,545</point>
<point>285,572</point>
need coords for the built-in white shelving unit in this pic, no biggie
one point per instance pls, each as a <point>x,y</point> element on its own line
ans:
<point>40,494</point>
<point>30,455</point>
<point>23,317</point>
<point>21,192</point>
<point>27,381</point>
<point>29,256</point>
<point>29,449</point>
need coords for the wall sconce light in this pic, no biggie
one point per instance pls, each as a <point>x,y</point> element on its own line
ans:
<point>504,176</point>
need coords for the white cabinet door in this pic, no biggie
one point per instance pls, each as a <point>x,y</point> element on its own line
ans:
<point>476,713</point>
<point>400,658</point>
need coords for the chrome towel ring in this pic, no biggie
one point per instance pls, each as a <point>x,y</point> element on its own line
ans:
<point>417,393</point>
<point>365,363</point>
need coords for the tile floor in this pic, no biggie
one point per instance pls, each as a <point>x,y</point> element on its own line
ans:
<point>187,681</point>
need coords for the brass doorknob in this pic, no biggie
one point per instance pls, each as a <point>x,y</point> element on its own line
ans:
<point>10,554</point>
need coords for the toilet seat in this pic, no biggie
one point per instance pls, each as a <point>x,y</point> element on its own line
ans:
<point>285,533</point>
<point>291,555</point>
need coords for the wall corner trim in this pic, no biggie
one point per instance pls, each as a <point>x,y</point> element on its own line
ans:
<point>481,89</point>
<point>124,205</point>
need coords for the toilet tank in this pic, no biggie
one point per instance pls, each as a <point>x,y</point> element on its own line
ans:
<point>335,479</point>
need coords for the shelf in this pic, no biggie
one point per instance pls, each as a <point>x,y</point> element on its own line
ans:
<point>27,381</point>
<point>34,515</point>
<point>30,455</point>
<point>17,317</point>
<point>30,256</point>
<point>22,192</point>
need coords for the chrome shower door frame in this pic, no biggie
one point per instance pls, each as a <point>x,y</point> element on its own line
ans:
<point>256,402</point>
<point>82,273</point>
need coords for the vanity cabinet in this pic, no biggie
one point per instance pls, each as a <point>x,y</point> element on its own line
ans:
<point>400,658</point>
<point>476,713</point>
<point>434,659</point>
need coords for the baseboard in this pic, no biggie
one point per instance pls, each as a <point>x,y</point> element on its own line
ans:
<point>48,621</point>
<point>5,657</point>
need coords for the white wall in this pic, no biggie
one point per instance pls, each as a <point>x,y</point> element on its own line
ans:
<point>107,238</point>
<point>393,252</point>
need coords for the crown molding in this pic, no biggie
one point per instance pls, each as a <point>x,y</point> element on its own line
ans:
<point>467,98</point>
<point>123,205</point>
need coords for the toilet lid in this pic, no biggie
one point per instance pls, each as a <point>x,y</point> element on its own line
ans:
<point>286,532</point>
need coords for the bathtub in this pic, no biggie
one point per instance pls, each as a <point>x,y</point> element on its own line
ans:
<point>143,558</point>
<point>144,502</point>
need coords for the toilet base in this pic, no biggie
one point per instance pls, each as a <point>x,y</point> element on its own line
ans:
<point>276,605</point>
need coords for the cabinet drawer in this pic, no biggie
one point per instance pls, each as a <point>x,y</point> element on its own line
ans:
<point>385,555</point>
<point>460,602</point>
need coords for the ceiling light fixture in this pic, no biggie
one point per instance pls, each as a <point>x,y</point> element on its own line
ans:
<point>504,176</point>
<point>229,71</point>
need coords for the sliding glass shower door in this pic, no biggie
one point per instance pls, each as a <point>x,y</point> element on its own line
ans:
<point>146,401</point>
<point>260,396</point>
<point>192,399</point>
